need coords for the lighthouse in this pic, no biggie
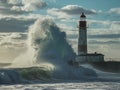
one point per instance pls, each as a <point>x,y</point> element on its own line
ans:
<point>83,56</point>
<point>82,40</point>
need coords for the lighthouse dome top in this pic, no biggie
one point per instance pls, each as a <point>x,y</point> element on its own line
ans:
<point>83,15</point>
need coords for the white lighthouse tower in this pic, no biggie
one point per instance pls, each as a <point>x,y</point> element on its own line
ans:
<point>83,56</point>
<point>82,41</point>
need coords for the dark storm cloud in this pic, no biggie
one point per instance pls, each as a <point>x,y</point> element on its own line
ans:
<point>104,36</point>
<point>103,42</point>
<point>15,25</point>
<point>104,39</point>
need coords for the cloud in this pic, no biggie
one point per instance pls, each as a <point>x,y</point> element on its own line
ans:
<point>103,27</point>
<point>10,24</point>
<point>13,40</point>
<point>70,10</point>
<point>58,13</point>
<point>98,23</point>
<point>115,10</point>
<point>108,33</point>
<point>106,29</point>
<point>32,5</point>
<point>105,36</point>
<point>103,42</point>
<point>75,9</point>
<point>19,23</point>
<point>20,6</point>
<point>14,2</point>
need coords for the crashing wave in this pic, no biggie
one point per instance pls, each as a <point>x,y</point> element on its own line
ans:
<point>49,49</point>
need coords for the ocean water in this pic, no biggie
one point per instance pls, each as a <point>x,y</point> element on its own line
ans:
<point>65,86</point>
<point>45,64</point>
<point>48,48</point>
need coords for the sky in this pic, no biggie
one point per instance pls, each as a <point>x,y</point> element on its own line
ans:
<point>103,22</point>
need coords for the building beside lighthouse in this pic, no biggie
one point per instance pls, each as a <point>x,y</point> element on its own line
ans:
<point>83,55</point>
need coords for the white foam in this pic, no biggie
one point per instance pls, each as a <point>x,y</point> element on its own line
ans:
<point>48,45</point>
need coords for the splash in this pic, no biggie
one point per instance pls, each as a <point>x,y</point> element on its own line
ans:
<point>48,47</point>
<point>49,42</point>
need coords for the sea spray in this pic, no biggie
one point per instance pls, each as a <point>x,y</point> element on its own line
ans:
<point>49,42</point>
<point>48,48</point>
